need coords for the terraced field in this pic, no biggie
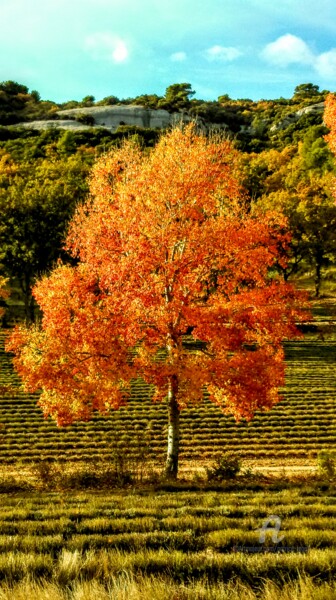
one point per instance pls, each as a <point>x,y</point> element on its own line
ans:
<point>184,545</point>
<point>298,427</point>
<point>184,537</point>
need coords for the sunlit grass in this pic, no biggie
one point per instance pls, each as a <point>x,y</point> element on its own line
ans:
<point>125,587</point>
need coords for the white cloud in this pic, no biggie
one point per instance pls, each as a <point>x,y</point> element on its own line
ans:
<point>106,46</point>
<point>222,53</point>
<point>178,56</point>
<point>326,64</point>
<point>289,49</point>
<point>120,53</point>
<point>286,50</point>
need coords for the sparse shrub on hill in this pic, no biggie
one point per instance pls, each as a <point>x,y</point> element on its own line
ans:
<point>85,119</point>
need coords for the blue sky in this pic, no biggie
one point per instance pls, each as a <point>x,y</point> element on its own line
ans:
<point>67,49</point>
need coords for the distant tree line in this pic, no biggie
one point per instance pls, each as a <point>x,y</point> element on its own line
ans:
<point>249,123</point>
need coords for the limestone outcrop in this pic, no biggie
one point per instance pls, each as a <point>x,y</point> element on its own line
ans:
<point>110,117</point>
<point>295,116</point>
<point>53,124</point>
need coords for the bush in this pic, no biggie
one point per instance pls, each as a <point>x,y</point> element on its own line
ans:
<point>226,466</point>
<point>85,119</point>
<point>47,472</point>
<point>326,463</point>
<point>10,485</point>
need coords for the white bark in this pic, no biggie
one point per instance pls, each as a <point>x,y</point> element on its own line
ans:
<point>173,430</point>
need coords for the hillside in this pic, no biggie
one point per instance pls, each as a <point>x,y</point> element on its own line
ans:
<point>255,125</point>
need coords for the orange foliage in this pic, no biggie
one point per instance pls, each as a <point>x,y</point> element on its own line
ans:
<point>4,389</point>
<point>3,292</point>
<point>165,242</point>
<point>329,118</point>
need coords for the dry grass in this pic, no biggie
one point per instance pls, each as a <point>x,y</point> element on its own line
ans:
<point>127,587</point>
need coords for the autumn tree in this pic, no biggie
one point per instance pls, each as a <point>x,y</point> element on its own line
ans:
<point>165,245</point>
<point>311,212</point>
<point>3,295</point>
<point>37,200</point>
<point>330,121</point>
<point>329,118</point>
<point>298,182</point>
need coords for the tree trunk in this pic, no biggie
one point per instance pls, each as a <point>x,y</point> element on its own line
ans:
<point>32,309</point>
<point>173,430</point>
<point>27,300</point>
<point>29,308</point>
<point>318,269</point>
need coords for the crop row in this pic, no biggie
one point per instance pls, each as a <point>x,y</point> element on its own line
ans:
<point>185,535</point>
<point>303,422</point>
<point>105,566</point>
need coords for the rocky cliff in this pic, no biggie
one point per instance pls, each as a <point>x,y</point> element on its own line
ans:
<point>110,117</point>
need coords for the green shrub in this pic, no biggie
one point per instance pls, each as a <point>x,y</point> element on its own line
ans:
<point>85,119</point>
<point>226,466</point>
<point>326,463</point>
<point>47,472</point>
